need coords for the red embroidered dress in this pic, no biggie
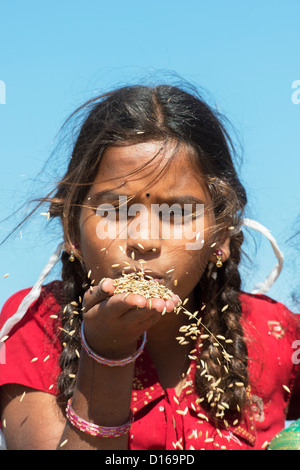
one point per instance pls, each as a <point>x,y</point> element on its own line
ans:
<point>162,419</point>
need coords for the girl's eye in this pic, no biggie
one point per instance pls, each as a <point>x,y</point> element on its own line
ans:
<point>176,217</point>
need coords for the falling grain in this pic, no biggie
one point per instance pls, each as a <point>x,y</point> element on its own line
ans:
<point>202,416</point>
<point>239,384</point>
<point>182,412</point>
<point>63,443</point>
<point>204,336</point>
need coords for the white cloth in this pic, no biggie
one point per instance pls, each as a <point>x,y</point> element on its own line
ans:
<point>2,441</point>
<point>264,286</point>
<point>32,295</point>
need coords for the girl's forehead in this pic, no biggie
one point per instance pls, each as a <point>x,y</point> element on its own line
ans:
<point>139,157</point>
<point>167,167</point>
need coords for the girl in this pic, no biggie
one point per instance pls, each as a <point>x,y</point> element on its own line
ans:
<point>203,366</point>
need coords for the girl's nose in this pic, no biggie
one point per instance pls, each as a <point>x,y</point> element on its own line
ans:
<point>143,246</point>
<point>142,237</point>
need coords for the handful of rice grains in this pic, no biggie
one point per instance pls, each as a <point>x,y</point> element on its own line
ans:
<point>136,283</point>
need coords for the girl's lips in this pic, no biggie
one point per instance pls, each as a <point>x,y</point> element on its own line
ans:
<point>160,280</point>
<point>154,276</point>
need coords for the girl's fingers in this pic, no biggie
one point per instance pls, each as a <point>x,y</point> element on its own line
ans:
<point>102,291</point>
<point>120,317</point>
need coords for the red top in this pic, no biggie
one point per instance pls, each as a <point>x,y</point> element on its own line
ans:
<point>163,420</point>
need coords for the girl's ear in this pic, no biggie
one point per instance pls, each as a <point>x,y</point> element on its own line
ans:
<point>68,247</point>
<point>71,249</point>
<point>222,250</point>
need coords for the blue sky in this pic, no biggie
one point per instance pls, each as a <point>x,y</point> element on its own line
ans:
<point>244,54</point>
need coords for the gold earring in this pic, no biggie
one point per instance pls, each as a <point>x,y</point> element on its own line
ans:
<point>219,254</point>
<point>72,257</point>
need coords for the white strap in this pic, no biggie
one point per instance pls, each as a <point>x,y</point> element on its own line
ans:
<point>2,441</point>
<point>32,295</point>
<point>263,287</point>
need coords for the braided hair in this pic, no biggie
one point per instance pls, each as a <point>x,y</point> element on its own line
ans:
<point>138,114</point>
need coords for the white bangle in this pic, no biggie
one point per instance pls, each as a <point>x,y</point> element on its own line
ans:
<point>112,362</point>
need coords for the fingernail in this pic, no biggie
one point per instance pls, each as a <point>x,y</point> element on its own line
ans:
<point>102,285</point>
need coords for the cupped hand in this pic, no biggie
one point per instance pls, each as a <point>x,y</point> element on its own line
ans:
<point>113,323</point>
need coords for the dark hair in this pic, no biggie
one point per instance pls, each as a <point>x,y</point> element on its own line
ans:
<point>138,114</point>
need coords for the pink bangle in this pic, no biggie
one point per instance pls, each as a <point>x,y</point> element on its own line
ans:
<point>111,362</point>
<point>94,429</point>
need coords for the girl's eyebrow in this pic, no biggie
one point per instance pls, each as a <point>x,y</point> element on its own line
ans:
<point>108,195</point>
<point>185,199</point>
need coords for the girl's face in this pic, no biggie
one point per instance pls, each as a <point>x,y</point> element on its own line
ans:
<point>118,239</point>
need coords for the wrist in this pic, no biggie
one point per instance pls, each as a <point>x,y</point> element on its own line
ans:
<point>95,429</point>
<point>113,359</point>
